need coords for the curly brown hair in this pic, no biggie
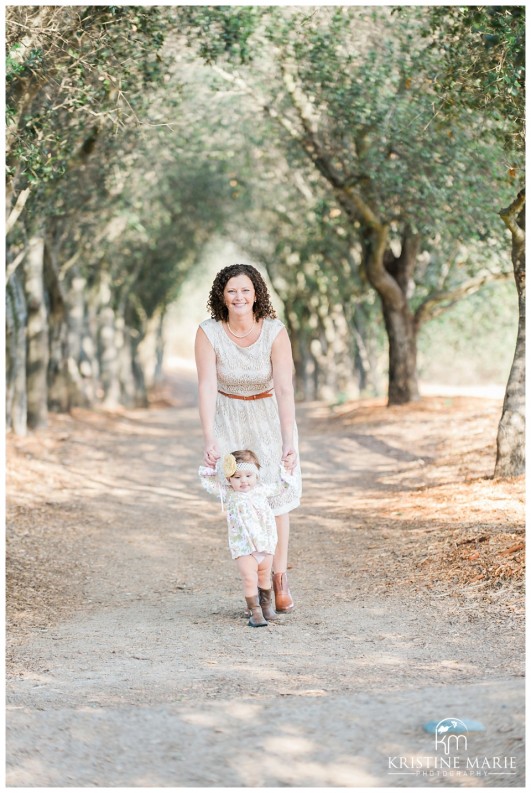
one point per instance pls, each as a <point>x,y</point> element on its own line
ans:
<point>262,305</point>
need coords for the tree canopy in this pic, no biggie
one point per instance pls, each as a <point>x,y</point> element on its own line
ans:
<point>362,155</point>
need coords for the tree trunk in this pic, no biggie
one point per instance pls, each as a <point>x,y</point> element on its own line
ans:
<point>107,347</point>
<point>108,358</point>
<point>16,319</point>
<point>303,358</point>
<point>123,343</point>
<point>332,350</point>
<point>510,459</point>
<point>159,351</point>
<point>58,375</point>
<point>81,347</point>
<point>310,370</point>
<point>37,334</point>
<point>366,361</point>
<point>138,372</point>
<point>400,327</point>
<point>391,276</point>
<point>148,354</point>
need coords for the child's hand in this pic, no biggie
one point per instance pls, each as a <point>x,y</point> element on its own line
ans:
<point>289,458</point>
<point>206,470</point>
<point>285,476</point>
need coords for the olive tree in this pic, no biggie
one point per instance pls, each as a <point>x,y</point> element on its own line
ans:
<point>353,91</point>
<point>484,68</point>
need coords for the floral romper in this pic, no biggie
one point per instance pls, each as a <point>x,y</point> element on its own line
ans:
<point>251,523</point>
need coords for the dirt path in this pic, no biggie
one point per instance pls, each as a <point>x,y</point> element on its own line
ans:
<point>130,663</point>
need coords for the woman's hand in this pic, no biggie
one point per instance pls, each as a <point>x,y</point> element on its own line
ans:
<point>289,458</point>
<point>211,454</point>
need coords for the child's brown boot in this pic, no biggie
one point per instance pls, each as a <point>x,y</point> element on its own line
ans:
<point>257,618</point>
<point>264,596</point>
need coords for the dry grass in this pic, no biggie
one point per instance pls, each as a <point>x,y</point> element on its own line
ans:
<point>453,527</point>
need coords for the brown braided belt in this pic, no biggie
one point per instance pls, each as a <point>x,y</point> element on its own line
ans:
<point>263,395</point>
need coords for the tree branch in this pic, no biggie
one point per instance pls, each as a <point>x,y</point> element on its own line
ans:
<point>510,214</point>
<point>12,267</point>
<point>437,303</point>
<point>17,209</point>
<point>349,197</point>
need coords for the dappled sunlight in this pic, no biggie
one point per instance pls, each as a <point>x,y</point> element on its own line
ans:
<point>302,771</point>
<point>343,742</point>
<point>29,769</point>
<point>442,504</point>
<point>126,487</point>
<point>239,714</point>
<point>37,679</point>
<point>287,753</point>
<point>384,552</point>
<point>289,746</point>
<point>357,159</point>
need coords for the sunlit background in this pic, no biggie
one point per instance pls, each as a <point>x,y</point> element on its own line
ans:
<point>450,359</point>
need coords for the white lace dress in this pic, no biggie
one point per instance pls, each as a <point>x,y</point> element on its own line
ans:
<point>253,424</point>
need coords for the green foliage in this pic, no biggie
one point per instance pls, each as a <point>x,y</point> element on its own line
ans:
<point>368,78</point>
<point>365,88</point>
<point>16,69</point>
<point>222,32</point>
<point>80,74</point>
<point>483,64</point>
<point>376,118</point>
<point>136,153</point>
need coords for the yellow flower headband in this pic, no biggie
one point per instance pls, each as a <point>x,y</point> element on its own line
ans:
<point>230,466</point>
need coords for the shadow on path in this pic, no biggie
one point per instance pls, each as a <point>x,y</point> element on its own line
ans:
<point>156,680</point>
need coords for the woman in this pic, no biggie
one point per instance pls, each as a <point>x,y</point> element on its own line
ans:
<point>246,401</point>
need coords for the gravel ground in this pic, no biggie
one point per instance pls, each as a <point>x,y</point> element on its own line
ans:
<point>130,662</point>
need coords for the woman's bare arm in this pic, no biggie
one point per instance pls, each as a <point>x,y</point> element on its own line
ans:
<point>205,359</point>
<point>282,360</point>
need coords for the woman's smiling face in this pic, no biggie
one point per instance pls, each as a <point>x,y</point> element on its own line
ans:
<point>239,295</point>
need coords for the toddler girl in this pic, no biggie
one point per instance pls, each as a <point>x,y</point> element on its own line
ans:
<point>251,526</point>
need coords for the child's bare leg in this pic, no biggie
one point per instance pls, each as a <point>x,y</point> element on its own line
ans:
<point>264,572</point>
<point>248,569</point>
